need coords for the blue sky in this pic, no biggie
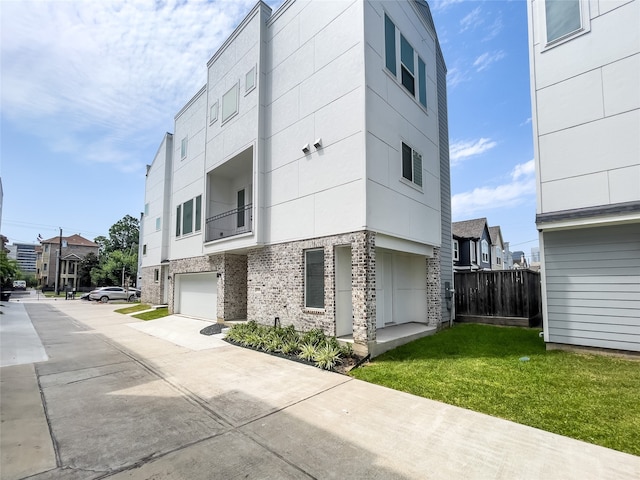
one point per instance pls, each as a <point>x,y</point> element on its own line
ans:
<point>88,89</point>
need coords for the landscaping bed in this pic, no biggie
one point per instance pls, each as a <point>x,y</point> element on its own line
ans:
<point>312,347</point>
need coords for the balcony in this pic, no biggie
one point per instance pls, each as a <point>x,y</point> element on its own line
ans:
<point>228,224</point>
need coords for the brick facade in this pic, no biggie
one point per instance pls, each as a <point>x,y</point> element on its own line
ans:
<point>269,282</point>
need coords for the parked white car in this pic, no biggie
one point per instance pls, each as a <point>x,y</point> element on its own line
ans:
<point>104,294</point>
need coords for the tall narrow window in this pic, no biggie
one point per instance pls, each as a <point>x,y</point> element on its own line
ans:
<point>144,249</point>
<point>230,103</point>
<point>187,217</point>
<point>422,82</point>
<point>456,250</point>
<point>198,218</point>
<point>158,224</point>
<point>183,147</point>
<point>407,67</point>
<point>390,44</point>
<point>213,113</point>
<point>156,275</point>
<point>240,214</point>
<point>250,80</point>
<point>562,18</point>
<point>472,251</point>
<point>178,220</point>
<point>314,279</point>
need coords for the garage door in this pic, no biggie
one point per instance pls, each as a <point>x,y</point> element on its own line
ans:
<point>197,295</point>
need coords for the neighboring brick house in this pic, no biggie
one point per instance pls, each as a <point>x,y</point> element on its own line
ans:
<point>471,245</point>
<point>74,249</point>
<point>585,91</point>
<point>308,180</point>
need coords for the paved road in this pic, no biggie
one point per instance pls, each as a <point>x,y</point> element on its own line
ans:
<point>119,398</point>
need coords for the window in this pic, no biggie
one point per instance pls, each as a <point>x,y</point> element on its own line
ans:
<point>230,103</point>
<point>45,267</point>
<point>158,222</point>
<point>72,268</point>
<point>562,18</point>
<point>498,255</point>
<point>189,216</point>
<point>156,275</point>
<point>390,44</point>
<point>422,82</point>
<point>485,250</point>
<point>146,209</point>
<point>183,148</point>
<point>144,249</point>
<point>250,80</point>
<point>409,59</point>
<point>213,113</point>
<point>314,279</point>
<point>411,165</point>
<point>456,250</point>
<point>178,220</point>
<point>472,251</point>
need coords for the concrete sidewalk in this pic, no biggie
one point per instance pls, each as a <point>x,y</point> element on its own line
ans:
<point>127,401</point>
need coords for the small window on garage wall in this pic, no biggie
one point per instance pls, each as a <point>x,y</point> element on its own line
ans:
<point>314,278</point>
<point>156,275</point>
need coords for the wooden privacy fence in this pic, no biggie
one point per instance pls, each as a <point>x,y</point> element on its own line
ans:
<point>506,297</point>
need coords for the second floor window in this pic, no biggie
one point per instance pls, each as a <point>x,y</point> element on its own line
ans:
<point>562,18</point>
<point>485,251</point>
<point>411,165</point>
<point>472,251</point>
<point>456,248</point>
<point>189,216</point>
<point>183,147</point>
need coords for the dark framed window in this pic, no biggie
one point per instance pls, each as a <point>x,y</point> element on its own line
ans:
<point>314,278</point>
<point>189,216</point>
<point>178,220</point>
<point>407,66</point>
<point>422,82</point>
<point>411,165</point>
<point>390,44</point>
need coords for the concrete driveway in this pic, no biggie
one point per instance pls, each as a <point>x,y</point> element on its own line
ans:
<point>120,398</point>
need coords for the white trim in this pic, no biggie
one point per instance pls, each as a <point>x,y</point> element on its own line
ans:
<point>590,222</point>
<point>402,245</point>
<point>585,25</point>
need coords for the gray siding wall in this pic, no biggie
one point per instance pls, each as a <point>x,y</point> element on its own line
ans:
<point>446,260</point>
<point>593,286</point>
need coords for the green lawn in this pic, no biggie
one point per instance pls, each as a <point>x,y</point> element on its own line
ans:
<point>594,398</point>
<point>153,314</point>
<point>139,307</point>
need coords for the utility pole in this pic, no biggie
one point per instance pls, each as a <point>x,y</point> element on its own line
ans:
<point>59,263</point>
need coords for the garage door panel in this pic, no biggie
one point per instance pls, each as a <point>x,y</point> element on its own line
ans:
<point>197,295</point>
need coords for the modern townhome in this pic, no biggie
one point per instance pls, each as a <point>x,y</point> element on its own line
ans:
<point>307,182</point>
<point>471,245</point>
<point>585,78</point>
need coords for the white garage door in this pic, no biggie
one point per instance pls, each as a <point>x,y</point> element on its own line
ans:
<point>197,295</point>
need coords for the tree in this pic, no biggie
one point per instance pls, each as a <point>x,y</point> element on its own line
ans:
<point>8,270</point>
<point>117,254</point>
<point>88,263</point>
<point>124,235</point>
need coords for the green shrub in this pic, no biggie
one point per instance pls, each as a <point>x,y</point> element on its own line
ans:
<point>290,348</point>
<point>315,336</point>
<point>307,351</point>
<point>327,356</point>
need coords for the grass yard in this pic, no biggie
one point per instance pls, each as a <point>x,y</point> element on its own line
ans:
<point>153,314</point>
<point>138,307</point>
<point>594,398</point>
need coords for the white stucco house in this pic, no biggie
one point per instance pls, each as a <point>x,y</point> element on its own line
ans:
<point>585,88</point>
<point>308,181</point>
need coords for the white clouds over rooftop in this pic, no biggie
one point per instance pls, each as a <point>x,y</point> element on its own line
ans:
<point>520,188</point>
<point>122,67</point>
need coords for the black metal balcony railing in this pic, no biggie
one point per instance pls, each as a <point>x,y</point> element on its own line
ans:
<point>228,224</point>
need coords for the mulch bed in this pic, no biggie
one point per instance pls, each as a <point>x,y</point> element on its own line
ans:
<point>343,368</point>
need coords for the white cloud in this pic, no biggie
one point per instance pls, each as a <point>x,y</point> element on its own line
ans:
<point>462,150</point>
<point>112,72</point>
<point>471,20</point>
<point>486,59</point>
<point>444,4</point>
<point>494,29</point>
<point>520,188</point>
<point>526,122</point>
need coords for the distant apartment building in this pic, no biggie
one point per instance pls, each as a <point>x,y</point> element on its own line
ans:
<point>585,89</point>
<point>25,255</point>
<point>308,181</point>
